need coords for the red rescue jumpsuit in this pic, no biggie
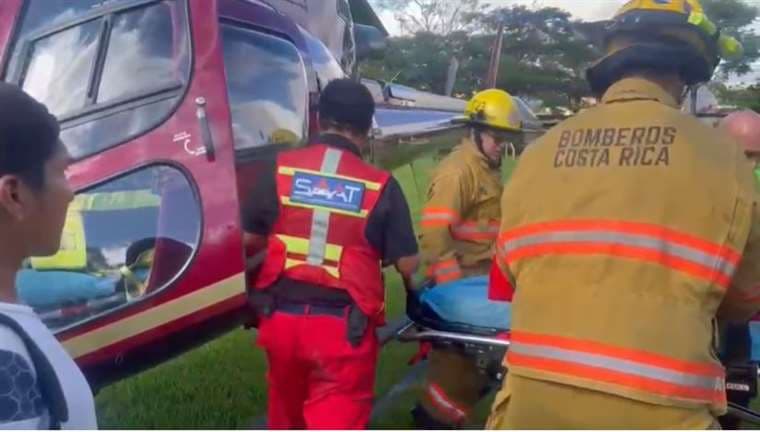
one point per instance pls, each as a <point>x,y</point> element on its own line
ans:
<point>317,378</point>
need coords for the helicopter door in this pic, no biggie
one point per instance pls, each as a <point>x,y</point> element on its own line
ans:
<point>268,85</point>
<point>152,247</point>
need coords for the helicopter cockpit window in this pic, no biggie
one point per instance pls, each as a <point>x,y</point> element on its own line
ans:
<point>267,87</point>
<point>123,241</point>
<point>117,70</point>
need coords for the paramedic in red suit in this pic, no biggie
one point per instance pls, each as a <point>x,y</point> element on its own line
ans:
<point>328,222</point>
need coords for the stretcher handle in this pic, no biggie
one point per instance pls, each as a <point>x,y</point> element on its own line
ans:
<point>434,335</point>
<point>742,413</point>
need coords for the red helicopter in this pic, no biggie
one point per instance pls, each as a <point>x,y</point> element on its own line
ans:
<point>169,108</point>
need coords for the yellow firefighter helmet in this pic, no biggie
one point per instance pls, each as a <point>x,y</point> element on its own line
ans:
<point>662,34</point>
<point>494,109</point>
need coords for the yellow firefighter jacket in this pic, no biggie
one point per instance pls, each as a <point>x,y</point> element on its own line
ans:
<point>630,227</point>
<point>461,218</point>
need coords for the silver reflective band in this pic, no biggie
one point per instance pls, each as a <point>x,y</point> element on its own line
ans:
<point>477,229</point>
<point>636,240</point>
<point>619,365</point>
<point>437,216</point>
<point>320,219</point>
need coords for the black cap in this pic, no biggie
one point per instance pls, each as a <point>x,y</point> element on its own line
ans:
<point>347,103</point>
<point>28,132</point>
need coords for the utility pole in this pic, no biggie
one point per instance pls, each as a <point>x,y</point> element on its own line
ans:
<point>451,76</point>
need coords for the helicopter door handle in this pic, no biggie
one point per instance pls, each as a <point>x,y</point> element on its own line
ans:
<point>208,140</point>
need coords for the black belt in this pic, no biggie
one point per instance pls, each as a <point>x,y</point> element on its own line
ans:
<point>308,309</point>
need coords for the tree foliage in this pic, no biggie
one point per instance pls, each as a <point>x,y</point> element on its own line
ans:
<point>422,61</point>
<point>735,17</point>
<point>441,17</point>
<point>544,54</point>
<point>741,97</point>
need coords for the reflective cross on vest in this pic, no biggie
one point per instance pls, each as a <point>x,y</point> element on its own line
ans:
<point>326,196</point>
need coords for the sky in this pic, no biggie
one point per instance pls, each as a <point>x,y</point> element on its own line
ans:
<point>587,10</point>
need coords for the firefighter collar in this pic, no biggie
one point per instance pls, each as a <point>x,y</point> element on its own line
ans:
<point>630,89</point>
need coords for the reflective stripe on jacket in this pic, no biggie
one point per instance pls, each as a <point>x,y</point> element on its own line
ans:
<point>460,221</point>
<point>631,227</point>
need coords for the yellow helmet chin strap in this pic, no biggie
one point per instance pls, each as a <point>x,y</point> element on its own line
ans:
<point>511,150</point>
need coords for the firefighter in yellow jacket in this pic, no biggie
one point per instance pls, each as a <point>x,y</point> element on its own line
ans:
<point>459,226</point>
<point>632,228</point>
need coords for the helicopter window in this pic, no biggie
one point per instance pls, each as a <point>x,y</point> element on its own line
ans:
<point>325,65</point>
<point>44,14</point>
<point>123,241</point>
<point>108,73</point>
<point>141,56</point>
<point>49,72</point>
<point>267,87</point>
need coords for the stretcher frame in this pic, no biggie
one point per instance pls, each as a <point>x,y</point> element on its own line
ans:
<point>414,332</point>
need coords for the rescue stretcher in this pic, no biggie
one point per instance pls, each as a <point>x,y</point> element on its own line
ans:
<point>488,346</point>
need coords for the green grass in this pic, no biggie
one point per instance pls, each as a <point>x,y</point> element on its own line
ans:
<point>222,384</point>
<point>219,385</point>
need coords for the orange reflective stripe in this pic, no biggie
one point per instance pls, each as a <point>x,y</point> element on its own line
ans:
<point>652,256</point>
<point>627,227</point>
<point>619,352</point>
<point>475,231</point>
<point>635,369</point>
<point>678,251</point>
<point>437,217</point>
<point>616,378</point>
<point>446,271</point>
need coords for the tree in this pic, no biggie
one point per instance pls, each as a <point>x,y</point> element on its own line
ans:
<point>748,97</point>
<point>735,17</point>
<point>422,60</point>
<point>431,16</point>
<point>543,54</point>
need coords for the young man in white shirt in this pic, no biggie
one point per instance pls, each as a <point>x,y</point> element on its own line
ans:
<point>40,385</point>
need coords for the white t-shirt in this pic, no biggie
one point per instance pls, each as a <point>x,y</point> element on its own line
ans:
<point>21,404</point>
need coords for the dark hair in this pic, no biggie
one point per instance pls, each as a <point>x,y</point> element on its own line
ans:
<point>28,135</point>
<point>346,104</point>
